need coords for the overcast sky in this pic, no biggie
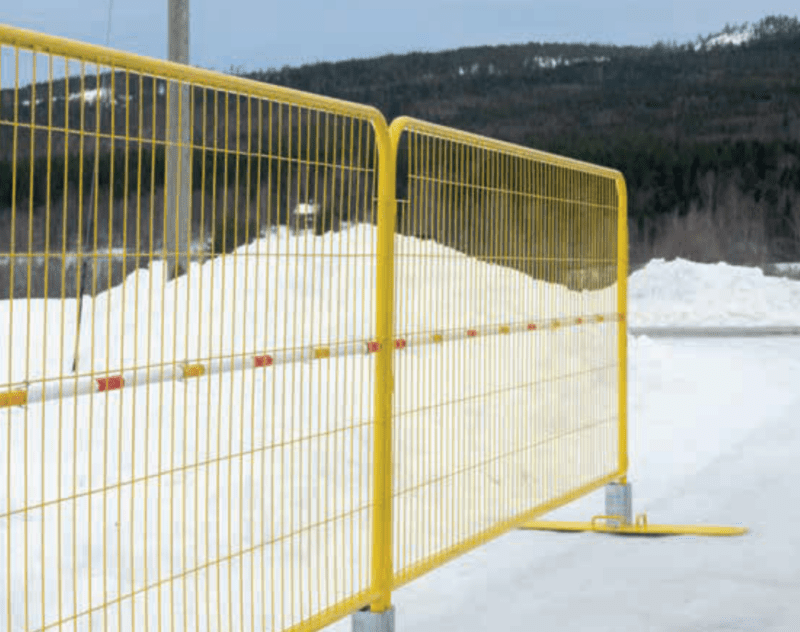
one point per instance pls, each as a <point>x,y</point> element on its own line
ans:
<point>268,33</point>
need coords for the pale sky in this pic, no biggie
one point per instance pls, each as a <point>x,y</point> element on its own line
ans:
<point>265,33</point>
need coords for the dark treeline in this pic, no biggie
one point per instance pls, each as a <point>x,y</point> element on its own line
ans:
<point>507,210</point>
<point>742,183</point>
<point>234,199</point>
<point>227,185</point>
<point>696,128</point>
<point>250,157</point>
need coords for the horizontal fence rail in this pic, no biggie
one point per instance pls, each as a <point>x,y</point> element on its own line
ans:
<point>60,387</point>
<point>268,358</point>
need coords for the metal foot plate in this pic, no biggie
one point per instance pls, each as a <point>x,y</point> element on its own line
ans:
<point>605,524</point>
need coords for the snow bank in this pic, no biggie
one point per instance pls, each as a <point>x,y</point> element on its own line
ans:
<point>186,494</point>
<point>281,291</point>
<point>684,293</point>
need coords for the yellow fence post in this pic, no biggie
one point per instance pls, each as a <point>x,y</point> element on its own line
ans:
<point>382,567</point>
<point>622,331</point>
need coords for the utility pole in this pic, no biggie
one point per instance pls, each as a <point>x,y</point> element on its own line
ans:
<point>177,234</point>
<point>83,281</point>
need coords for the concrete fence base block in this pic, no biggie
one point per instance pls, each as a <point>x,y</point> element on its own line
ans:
<point>368,621</point>
<point>619,503</point>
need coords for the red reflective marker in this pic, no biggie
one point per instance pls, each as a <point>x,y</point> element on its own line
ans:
<point>110,383</point>
<point>263,360</point>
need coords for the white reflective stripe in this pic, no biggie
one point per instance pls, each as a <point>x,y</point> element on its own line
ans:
<point>288,356</point>
<point>53,390</point>
<point>129,378</point>
<point>140,377</point>
<point>450,336</point>
<point>348,349</point>
<point>218,365</point>
<point>228,364</point>
<point>61,388</point>
<point>87,385</point>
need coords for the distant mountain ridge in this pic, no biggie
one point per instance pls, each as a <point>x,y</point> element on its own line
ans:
<point>699,129</point>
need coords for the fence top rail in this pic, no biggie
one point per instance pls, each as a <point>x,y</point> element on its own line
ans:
<point>119,60</point>
<point>410,124</point>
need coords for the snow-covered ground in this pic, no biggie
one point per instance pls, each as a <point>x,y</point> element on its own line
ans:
<point>713,438</point>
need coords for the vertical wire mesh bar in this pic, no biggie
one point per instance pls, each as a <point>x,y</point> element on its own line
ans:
<point>25,466</point>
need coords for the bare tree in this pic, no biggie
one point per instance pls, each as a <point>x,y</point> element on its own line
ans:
<point>742,229</point>
<point>791,202</point>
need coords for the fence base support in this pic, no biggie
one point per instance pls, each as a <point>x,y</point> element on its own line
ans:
<point>367,621</point>
<point>619,502</point>
<point>617,519</point>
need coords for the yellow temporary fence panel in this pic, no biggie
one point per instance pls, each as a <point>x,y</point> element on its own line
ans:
<point>521,408</point>
<point>384,346</point>
<point>205,466</point>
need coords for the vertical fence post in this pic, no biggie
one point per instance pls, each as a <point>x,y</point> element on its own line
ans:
<point>622,323</point>
<point>382,565</point>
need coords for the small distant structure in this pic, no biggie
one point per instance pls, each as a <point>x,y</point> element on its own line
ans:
<point>303,216</point>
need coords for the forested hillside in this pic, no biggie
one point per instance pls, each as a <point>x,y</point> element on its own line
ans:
<point>706,133</point>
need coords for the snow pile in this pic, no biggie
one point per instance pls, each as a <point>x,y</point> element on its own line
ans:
<point>280,291</point>
<point>790,268</point>
<point>682,293</point>
<point>269,470</point>
<point>90,96</point>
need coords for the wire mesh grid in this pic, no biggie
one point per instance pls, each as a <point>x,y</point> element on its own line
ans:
<point>506,393</point>
<point>194,449</point>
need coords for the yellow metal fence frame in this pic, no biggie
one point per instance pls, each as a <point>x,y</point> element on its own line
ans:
<point>387,139</point>
<point>404,125</point>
